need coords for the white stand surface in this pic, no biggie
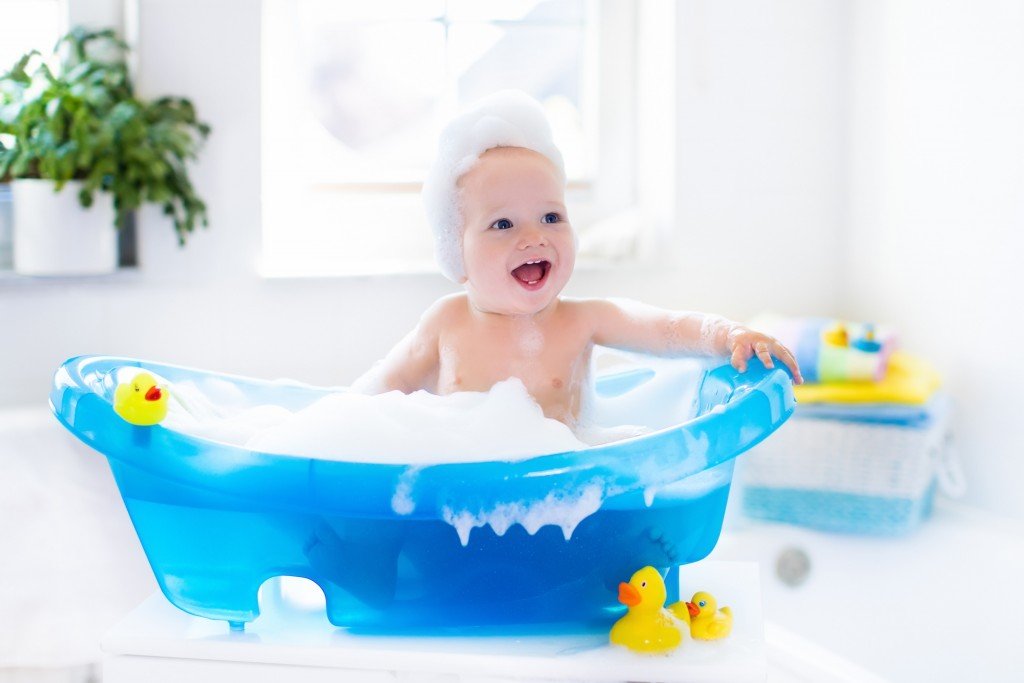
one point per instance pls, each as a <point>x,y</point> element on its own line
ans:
<point>293,641</point>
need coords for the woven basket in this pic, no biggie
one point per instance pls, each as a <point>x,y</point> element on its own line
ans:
<point>847,476</point>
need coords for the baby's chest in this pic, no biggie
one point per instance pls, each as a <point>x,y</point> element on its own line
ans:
<point>550,368</point>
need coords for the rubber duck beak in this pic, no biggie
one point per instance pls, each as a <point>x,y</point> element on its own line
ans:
<point>692,609</point>
<point>628,594</point>
<point>153,394</point>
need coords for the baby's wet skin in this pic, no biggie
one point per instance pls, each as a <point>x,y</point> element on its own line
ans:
<point>549,353</point>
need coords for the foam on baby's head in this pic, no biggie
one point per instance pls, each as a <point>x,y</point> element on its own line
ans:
<point>509,118</point>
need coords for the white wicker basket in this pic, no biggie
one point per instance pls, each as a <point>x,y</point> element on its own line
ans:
<point>858,477</point>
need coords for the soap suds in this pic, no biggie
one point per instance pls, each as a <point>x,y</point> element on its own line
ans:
<point>558,509</point>
<point>418,428</point>
<point>422,429</point>
<point>402,502</point>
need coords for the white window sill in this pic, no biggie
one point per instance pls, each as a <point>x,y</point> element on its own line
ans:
<point>121,276</point>
<point>137,276</point>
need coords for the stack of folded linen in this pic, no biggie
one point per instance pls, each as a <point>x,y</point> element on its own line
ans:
<point>869,442</point>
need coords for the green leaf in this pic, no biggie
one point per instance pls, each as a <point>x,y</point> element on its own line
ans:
<point>10,113</point>
<point>82,121</point>
<point>79,72</point>
<point>17,72</point>
<point>20,165</point>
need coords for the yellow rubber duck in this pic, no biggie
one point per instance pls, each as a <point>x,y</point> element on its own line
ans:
<point>708,622</point>
<point>647,626</point>
<point>141,402</point>
<point>683,611</point>
<point>837,335</point>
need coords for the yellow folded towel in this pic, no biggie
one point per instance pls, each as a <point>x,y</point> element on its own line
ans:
<point>908,380</point>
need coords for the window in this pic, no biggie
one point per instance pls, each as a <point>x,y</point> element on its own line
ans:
<point>29,25</point>
<point>354,96</point>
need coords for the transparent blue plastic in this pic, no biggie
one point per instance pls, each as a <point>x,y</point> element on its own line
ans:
<point>217,520</point>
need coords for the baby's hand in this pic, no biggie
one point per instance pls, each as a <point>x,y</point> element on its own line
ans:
<point>745,342</point>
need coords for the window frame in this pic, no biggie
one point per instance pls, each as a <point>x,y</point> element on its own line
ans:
<point>621,193</point>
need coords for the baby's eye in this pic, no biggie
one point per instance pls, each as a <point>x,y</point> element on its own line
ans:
<point>551,217</point>
<point>502,224</point>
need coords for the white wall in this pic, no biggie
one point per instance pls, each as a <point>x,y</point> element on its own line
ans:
<point>759,147</point>
<point>761,152</point>
<point>937,210</point>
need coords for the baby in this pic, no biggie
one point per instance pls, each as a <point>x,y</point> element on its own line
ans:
<point>495,199</point>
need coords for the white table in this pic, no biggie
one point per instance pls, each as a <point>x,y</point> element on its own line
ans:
<point>293,641</point>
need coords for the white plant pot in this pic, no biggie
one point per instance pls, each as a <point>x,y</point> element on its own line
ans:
<point>55,235</point>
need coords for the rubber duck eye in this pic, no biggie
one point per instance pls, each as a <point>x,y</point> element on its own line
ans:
<point>502,224</point>
<point>551,217</point>
<point>702,603</point>
<point>643,584</point>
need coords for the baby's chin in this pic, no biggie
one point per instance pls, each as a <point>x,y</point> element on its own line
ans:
<point>513,302</point>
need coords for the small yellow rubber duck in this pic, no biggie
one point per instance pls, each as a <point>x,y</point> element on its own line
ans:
<point>837,335</point>
<point>708,622</point>
<point>141,402</point>
<point>647,626</point>
<point>683,611</point>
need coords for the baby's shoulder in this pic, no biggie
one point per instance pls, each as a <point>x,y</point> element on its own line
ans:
<point>581,317</point>
<point>585,310</point>
<point>596,316</point>
<point>446,310</point>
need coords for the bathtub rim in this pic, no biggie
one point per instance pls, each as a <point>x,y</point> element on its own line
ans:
<point>760,397</point>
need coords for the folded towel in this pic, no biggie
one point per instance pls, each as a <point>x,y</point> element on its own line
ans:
<point>896,414</point>
<point>908,380</point>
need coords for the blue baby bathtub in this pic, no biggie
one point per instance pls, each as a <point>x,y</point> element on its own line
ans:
<point>217,520</point>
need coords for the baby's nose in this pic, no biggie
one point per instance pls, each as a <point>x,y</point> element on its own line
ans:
<point>532,236</point>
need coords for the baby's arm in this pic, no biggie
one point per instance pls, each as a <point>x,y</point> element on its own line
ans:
<point>413,362</point>
<point>631,325</point>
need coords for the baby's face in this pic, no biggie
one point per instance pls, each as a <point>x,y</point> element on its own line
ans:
<point>517,244</point>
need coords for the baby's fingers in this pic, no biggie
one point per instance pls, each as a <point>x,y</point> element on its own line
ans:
<point>740,354</point>
<point>761,348</point>
<point>786,356</point>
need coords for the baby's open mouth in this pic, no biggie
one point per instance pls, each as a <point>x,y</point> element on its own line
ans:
<point>532,274</point>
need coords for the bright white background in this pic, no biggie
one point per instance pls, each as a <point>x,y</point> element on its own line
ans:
<point>861,159</point>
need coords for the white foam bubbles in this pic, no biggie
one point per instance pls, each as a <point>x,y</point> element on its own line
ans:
<point>403,502</point>
<point>509,118</point>
<point>530,339</point>
<point>192,410</point>
<point>565,511</point>
<point>421,429</point>
<point>504,423</point>
<point>649,493</point>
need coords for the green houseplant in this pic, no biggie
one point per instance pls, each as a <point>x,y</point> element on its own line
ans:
<point>75,119</point>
